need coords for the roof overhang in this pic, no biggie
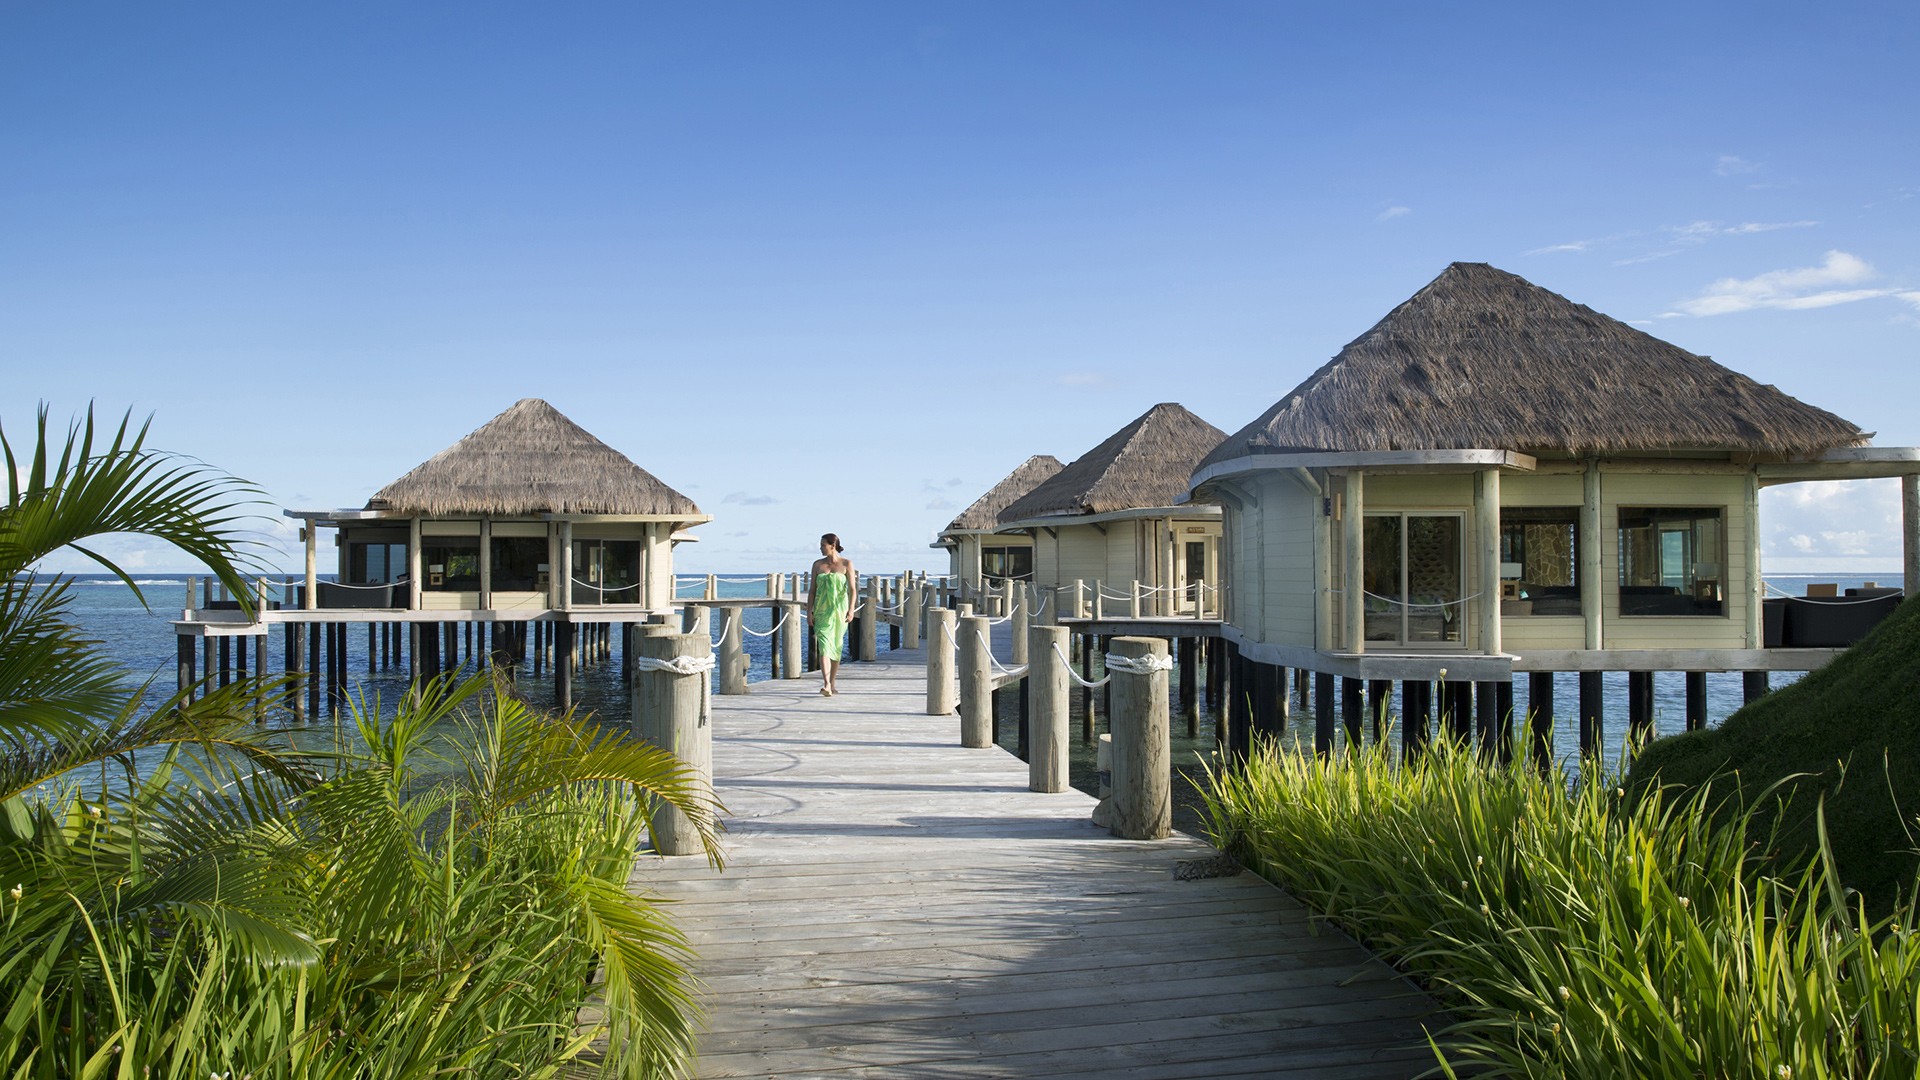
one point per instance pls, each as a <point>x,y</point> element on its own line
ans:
<point>1846,463</point>
<point>337,517</point>
<point>1377,461</point>
<point>1054,521</point>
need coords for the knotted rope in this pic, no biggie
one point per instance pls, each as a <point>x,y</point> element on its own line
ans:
<point>679,665</point>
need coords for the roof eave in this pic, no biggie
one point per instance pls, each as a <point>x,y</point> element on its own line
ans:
<point>1408,460</point>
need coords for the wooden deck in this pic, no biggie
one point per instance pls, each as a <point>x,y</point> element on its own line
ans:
<point>895,905</point>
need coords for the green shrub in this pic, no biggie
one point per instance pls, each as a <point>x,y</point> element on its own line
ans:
<point>1572,933</point>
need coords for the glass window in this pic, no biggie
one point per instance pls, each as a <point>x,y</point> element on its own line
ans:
<point>1540,553</point>
<point>1005,562</point>
<point>451,563</point>
<point>376,564</point>
<point>606,572</point>
<point>1672,560</point>
<point>519,564</point>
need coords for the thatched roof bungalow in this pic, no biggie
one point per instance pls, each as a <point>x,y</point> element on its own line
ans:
<point>1494,478</point>
<point>973,546</point>
<point>529,512</point>
<point>1114,516</point>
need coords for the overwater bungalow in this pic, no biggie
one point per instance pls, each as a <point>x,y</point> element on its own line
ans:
<point>529,513</point>
<point>1115,516</point>
<point>1494,479</point>
<point>975,549</point>
<point>528,523</point>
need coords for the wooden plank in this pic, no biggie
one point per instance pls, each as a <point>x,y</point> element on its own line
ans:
<point>895,903</point>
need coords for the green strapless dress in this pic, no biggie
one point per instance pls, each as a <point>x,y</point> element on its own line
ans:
<point>830,601</point>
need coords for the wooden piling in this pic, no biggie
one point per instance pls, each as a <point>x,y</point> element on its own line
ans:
<point>1540,718</point>
<point>1047,689</point>
<point>941,689</point>
<point>1021,618</point>
<point>1323,719</point>
<point>867,645</point>
<point>791,643</point>
<point>1593,713</point>
<point>670,712</point>
<point>563,666</point>
<point>1639,707</point>
<point>1416,717</point>
<point>1696,700</point>
<point>976,683</point>
<point>733,653</point>
<point>1142,803</point>
<point>1486,715</point>
<point>1379,706</point>
<point>1352,709</point>
<point>184,675</point>
<point>910,613</point>
<point>1753,686</point>
<point>1188,651</point>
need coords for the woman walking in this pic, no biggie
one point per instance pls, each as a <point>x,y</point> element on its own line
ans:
<point>831,609</point>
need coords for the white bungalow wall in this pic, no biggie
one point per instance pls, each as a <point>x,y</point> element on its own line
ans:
<point>1272,577</point>
<point>1118,553</point>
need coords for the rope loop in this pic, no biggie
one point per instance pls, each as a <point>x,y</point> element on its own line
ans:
<point>679,665</point>
<point>1144,665</point>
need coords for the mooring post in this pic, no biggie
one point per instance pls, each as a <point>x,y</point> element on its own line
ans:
<point>941,692</point>
<point>976,683</point>
<point>791,643</point>
<point>910,616</point>
<point>733,654</point>
<point>1021,618</point>
<point>1047,724</point>
<point>869,640</point>
<point>1142,804</point>
<point>670,712</point>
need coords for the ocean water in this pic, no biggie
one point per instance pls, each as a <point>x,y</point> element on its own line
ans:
<point>141,637</point>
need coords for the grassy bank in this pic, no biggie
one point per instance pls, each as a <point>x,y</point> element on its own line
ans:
<point>1845,739</point>
<point>1581,934</point>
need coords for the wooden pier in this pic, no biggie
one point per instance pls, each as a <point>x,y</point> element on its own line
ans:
<point>894,904</point>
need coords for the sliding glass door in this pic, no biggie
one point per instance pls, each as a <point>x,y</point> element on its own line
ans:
<point>1415,564</point>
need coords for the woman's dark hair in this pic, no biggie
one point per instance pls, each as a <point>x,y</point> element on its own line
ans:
<point>831,538</point>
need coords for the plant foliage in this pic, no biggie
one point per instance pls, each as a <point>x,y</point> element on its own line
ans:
<point>1582,934</point>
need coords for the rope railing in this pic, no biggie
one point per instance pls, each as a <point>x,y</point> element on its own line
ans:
<point>1410,606</point>
<point>1836,601</point>
<point>1091,684</point>
<point>603,590</point>
<point>987,647</point>
<point>769,631</point>
<point>1137,665</point>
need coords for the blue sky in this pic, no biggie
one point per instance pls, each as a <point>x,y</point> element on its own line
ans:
<point>842,266</point>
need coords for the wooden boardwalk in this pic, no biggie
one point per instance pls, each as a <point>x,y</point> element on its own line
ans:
<point>895,905</point>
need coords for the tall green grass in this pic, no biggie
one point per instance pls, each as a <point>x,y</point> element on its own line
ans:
<point>400,905</point>
<point>1571,932</point>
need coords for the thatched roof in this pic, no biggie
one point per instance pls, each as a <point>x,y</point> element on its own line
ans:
<point>1483,359</point>
<point>984,514</point>
<point>1143,464</point>
<point>531,460</point>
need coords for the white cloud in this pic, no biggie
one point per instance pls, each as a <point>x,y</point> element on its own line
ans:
<point>1831,526</point>
<point>940,504</point>
<point>1734,165</point>
<point>1392,212</point>
<point>744,499</point>
<point>1573,245</point>
<point>1799,289</point>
